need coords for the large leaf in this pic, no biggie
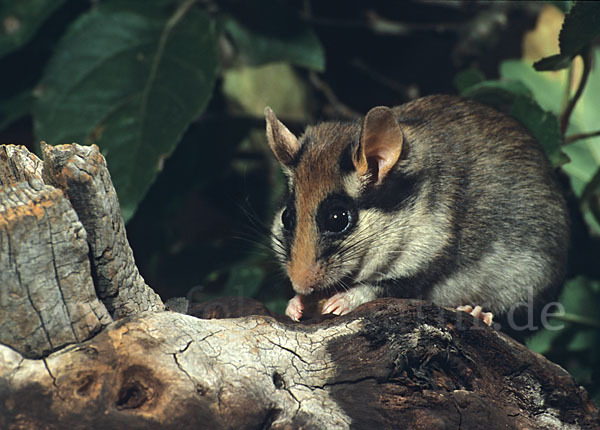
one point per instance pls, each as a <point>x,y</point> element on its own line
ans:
<point>590,198</point>
<point>581,27</point>
<point>14,108</point>
<point>468,78</point>
<point>542,125</point>
<point>576,314</point>
<point>275,85</point>
<point>20,19</point>
<point>496,93</point>
<point>518,99</point>
<point>563,5</point>
<point>548,90</point>
<point>131,83</point>
<point>244,280</point>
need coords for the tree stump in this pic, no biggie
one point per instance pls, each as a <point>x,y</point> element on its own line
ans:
<point>85,343</point>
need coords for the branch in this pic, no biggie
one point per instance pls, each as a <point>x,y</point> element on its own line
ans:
<point>390,364</point>
<point>576,137</point>
<point>587,68</point>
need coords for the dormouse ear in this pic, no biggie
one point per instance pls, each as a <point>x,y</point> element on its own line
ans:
<point>283,143</point>
<point>380,144</point>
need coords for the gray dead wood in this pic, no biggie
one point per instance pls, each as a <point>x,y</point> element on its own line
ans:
<point>47,297</point>
<point>81,173</point>
<point>17,164</point>
<point>389,364</point>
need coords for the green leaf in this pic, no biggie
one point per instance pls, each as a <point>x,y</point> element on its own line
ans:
<point>581,27</point>
<point>267,31</point>
<point>244,280</point>
<point>591,196</point>
<point>468,78</point>
<point>132,84</point>
<point>277,305</point>
<point>275,85</point>
<point>514,94</point>
<point>541,342</point>
<point>156,9</point>
<point>553,62</point>
<point>578,299</point>
<point>548,91</point>
<point>542,125</point>
<point>15,108</point>
<point>582,340</point>
<point>20,19</point>
<point>564,6</point>
<point>497,93</point>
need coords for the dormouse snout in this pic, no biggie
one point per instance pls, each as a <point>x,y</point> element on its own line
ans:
<point>303,267</point>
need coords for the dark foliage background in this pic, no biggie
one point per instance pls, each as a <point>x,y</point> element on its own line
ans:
<point>173,91</point>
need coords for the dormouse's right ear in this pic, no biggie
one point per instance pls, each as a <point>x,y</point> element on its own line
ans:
<point>380,144</point>
<point>283,143</point>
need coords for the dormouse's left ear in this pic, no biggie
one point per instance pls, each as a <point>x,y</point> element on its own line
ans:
<point>380,144</point>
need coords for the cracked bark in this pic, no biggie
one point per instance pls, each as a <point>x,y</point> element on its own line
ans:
<point>64,362</point>
<point>47,297</point>
<point>81,173</point>
<point>17,164</point>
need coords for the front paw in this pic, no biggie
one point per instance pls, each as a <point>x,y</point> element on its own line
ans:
<point>477,312</point>
<point>295,308</point>
<point>338,304</point>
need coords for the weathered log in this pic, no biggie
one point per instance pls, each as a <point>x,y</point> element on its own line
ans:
<point>17,164</point>
<point>47,297</point>
<point>81,173</point>
<point>57,254</point>
<point>389,364</point>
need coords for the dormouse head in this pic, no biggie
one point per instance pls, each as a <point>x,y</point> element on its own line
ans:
<point>320,231</point>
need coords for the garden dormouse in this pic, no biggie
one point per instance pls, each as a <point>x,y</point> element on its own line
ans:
<point>441,198</point>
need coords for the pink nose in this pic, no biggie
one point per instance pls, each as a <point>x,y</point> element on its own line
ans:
<point>305,277</point>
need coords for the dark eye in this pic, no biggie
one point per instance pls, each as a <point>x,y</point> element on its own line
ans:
<point>287,219</point>
<point>336,220</point>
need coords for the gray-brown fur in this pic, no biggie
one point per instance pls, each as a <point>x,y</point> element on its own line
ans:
<point>469,214</point>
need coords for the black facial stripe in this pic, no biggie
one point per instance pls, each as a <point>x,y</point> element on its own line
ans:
<point>418,285</point>
<point>345,163</point>
<point>395,192</point>
<point>287,235</point>
<point>288,219</point>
